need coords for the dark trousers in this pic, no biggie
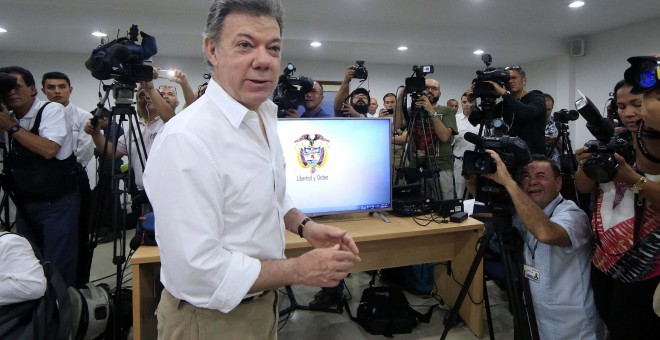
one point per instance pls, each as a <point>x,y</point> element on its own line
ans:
<point>626,308</point>
<point>53,227</point>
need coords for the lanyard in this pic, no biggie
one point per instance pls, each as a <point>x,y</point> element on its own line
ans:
<point>536,243</point>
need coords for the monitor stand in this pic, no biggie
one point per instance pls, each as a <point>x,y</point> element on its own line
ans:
<point>382,216</point>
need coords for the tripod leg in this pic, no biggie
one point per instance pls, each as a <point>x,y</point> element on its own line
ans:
<point>489,319</point>
<point>450,321</point>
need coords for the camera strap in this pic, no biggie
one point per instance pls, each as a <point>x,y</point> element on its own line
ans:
<point>642,146</point>
<point>640,202</point>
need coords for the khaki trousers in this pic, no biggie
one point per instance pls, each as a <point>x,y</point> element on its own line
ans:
<point>256,319</point>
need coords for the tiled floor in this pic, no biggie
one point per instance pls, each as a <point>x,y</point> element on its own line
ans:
<point>302,324</point>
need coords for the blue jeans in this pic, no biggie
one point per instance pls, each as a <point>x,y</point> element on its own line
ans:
<point>53,227</point>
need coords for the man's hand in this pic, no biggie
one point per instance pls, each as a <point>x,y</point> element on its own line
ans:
<point>292,113</point>
<point>501,175</point>
<point>90,130</point>
<point>424,102</point>
<point>324,267</point>
<point>326,236</point>
<point>6,121</point>
<point>350,72</point>
<point>384,113</point>
<point>348,109</point>
<point>497,89</point>
<point>179,77</point>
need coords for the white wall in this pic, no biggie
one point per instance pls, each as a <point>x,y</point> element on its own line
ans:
<point>594,74</point>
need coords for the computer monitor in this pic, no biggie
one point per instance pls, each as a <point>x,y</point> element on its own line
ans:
<point>337,165</point>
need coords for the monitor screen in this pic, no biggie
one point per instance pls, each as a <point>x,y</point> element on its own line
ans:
<point>336,165</point>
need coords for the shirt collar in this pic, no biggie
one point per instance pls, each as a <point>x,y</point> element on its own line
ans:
<point>553,205</point>
<point>234,111</point>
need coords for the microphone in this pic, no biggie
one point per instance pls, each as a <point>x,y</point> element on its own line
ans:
<point>473,138</point>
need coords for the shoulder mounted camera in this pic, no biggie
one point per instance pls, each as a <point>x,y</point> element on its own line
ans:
<point>290,91</point>
<point>122,59</point>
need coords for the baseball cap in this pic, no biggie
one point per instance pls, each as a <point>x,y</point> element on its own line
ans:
<point>643,73</point>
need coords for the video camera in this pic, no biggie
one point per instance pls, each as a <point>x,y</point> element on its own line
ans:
<point>360,71</point>
<point>482,88</point>
<point>512,150</point>
<point>122,59</point>
<point>290,91</point>
<point>7,83</point>
<point>602,166</point>
<point>415,86</point>
<point>514,153</point>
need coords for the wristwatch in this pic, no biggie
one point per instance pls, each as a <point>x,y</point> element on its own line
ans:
<point>639,185</point>
<point>13,129</point>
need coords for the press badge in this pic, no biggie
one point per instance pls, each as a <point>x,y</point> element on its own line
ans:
<point>532,273</point>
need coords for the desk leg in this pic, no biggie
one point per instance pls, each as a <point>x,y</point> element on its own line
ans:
<point>145,300</point>
<point>465,245</point>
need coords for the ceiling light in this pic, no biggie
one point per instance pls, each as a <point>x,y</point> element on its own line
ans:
<point>99,34</point>
<point>2,30</point>
<point>478,52</point>
<point>315,44</point>
<point>402,48</point>
<point>576,4</point>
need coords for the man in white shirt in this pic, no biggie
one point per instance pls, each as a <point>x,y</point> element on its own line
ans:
<point>215,179</point>
<point>21,275</point>
<point>57,88</point>
<point>373,108</point>
<point>43,172</point>
<point>461,145</point>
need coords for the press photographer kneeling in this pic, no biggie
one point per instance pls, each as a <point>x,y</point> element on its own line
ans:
<point>557,249</point>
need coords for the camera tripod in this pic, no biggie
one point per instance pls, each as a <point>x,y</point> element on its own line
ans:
<point>420,128</point>
<point>567,166</point>
<point>517,286</point>
<point>122,111</point>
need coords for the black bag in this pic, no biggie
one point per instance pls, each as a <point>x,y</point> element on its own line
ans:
<point>48,317</point>
<point>385,311</point>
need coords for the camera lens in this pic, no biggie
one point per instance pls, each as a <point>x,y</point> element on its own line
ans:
<point>601,167</point>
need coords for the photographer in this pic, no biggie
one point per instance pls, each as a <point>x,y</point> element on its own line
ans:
<point>557,249</point>
<point>431,149</point>
<point>522,111</point>
<point>649,131</point>
<point>625,266</point>
<point>42,170</point>
<point>354,105</point>
<point>179,77</point>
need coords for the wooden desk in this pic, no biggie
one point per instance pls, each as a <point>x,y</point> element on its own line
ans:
<point>382,245</point>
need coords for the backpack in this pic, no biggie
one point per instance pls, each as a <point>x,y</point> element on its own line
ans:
<point>91,310</point>
<point>48,317</point>
<point>385,311</point>
<point>145,232</point>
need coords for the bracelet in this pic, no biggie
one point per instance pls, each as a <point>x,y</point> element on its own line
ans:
<point>639,185</point>
<point>301,226</point>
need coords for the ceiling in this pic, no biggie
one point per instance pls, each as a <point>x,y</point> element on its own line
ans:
<point>444,31</point>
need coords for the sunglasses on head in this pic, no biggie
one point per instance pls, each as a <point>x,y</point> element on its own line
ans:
<point>517,68</point>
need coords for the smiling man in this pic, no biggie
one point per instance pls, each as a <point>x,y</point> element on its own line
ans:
<point>222,239</point>
<point>557,250</point>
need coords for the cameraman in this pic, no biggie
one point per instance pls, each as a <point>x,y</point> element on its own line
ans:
<point>557,250</point>
<point>522,111</point>
<point>626,261</point>
<point>432,149</point>
<point>313,104</point>
<point>43,172</point>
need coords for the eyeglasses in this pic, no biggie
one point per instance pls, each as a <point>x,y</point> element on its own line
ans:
<point>517,68</point>
<point>359,95</point>
<point>432,88</point>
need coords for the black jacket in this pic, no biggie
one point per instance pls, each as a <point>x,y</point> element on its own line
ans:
<point>526,119</point>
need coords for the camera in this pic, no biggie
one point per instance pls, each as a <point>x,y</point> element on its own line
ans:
<point>482,89</point>
<point>565,116</point>
<point>7,83</point>
<point>122,59</point>
<point>601,167</point>
<point>290,91</point>
<point>360,71</point>
<point>415,86</point>
<point>512,150</point>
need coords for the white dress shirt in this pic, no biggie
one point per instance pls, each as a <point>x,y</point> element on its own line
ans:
<point>55,126</point>
<point>464,125</point>
<point>219,197</point>
<point>136,159</point>
<point>21,275</point>
<point>84,145</point>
